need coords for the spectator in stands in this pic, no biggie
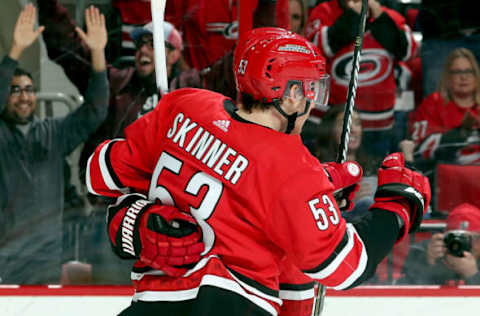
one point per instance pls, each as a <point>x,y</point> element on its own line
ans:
<point>33,152</point>
<point>210,31</point>
<point>445,125</point>
<point>129,14</point>
<point>332,26</point>
<point>133,89</point>
<point>210,28</point>
<point>430,262</point>
<point>446,25</point>
<point>173,47</point>
<point>297,14</point>
<point>133,93</point>
<point>326,149</point>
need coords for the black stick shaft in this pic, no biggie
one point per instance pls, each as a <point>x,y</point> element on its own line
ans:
<point>347,122</point>
<point>352,87</point>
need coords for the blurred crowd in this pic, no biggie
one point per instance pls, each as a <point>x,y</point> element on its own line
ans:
<point>418,93</point>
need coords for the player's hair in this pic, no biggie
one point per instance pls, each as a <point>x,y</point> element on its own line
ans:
<point>445,78</point>
<point>249,103</point>
<point>22,72</point>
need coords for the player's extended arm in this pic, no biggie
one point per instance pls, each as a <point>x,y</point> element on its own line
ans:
<point>160,236</point>
<point>349,253</point>
<point>402,197</point>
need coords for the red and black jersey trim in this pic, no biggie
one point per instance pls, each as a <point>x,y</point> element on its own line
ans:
<point>254,284</point>
<point>297,287</point>
<point>111,171</point>
<point>332,257</point>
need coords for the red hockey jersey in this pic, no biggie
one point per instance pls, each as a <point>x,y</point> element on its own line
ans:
<point>432,119</point>
<point>258,195</point>
<point>375,95</point>
<point>209,28</point>
<point>133,14</point>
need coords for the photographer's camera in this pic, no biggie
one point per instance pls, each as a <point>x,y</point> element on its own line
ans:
<point>457,242</point>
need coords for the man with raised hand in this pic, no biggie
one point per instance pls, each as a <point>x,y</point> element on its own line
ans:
<point>33,152</point>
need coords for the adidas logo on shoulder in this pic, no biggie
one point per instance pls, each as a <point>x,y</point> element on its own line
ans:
<point>222,124</point>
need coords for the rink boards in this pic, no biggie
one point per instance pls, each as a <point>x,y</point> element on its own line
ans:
<point>369,301</point>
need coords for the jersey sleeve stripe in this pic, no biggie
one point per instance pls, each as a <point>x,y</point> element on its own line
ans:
<point>325,45</point>
<point>98,177</point>
<point>362,263</point>
<point>108,174</point>
<point>374,116</point>
<point>333,261</point>
<point>410,49</point>
<point>88,179</point>
<point>348,265</point>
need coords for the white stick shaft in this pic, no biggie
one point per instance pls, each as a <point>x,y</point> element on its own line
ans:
<point>158,14</point>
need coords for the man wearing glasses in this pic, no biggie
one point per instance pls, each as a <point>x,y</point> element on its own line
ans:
<point>33,153</point>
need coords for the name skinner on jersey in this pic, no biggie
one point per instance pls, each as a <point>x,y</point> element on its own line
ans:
<point>218,154</point>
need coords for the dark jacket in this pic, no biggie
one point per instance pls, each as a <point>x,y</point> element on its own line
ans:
<point>32,182</point>
<point>448,19</point>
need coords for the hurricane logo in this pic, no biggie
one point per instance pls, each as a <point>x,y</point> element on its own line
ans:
<point>375,66</point>
<point>228,30</point>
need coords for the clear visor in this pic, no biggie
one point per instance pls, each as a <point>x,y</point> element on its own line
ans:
<point>318,91</point>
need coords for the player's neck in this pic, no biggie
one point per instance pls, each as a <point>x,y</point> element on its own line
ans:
<point>267,118</point>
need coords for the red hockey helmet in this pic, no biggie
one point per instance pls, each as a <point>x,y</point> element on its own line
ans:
<point>270,59</point>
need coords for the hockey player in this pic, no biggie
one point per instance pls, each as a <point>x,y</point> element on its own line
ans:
<point>262,201</point>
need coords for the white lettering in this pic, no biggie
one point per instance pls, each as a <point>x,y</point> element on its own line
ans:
<point>214,153</point>
<point>224,160</point>
<point>238,166</point>
<point>416,193</point>
<point>194,139</point>
<point>202,145</point>
<point>182,132</point>
<point>318,214</point>
<point>208,149</point>
<point>172,130</point>
<point>128,225</point>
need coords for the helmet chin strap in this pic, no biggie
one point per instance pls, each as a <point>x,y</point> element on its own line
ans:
<point>291,118</point>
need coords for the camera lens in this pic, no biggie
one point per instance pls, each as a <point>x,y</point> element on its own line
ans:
<point>457,242</point>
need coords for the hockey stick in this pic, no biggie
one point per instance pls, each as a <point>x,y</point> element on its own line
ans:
<point>352,87</point>
<point>158,14</point>
<point>347,122</point>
